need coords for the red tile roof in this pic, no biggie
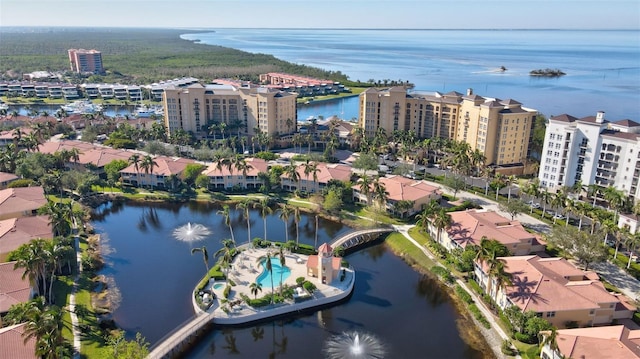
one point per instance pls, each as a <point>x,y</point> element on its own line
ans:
<point>470,226</point>
<point>608,342</point>
<point>257,165</point>
<point>15,232</point>
<point>21,199</point>
<point>13,345</point>
<point>553,284</point>
<point>14,289</point>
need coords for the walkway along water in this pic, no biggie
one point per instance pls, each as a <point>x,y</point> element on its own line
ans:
<point>181,338</point>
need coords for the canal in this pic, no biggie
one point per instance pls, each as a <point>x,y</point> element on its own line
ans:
<point>409,313</point>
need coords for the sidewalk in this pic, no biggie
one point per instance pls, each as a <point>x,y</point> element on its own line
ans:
<point>494,336</point>
<point>626,283</point>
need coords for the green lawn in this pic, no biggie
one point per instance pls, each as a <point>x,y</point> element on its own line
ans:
<point>405,248</point>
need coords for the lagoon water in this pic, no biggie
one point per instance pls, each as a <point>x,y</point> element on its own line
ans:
<point>602,67</point>
<point>156,273</point>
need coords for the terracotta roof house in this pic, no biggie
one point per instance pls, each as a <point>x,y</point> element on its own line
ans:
<point>14,289</point>
<point>223,178</point>
<point>608,342</point>
<point>400,188</point>
<point>556,290</point>
<point>21,202</point>
<point>325,173</point>
<point>6,178</point>
<point>469,227</point>
<point>90,156</point>
<point>324,265</point>
<point>12,344</point>
<point>15,232</point>
<point>157,178</point>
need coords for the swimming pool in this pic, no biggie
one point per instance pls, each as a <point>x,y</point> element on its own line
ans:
<point>265,277</point>
<point>218,286</point>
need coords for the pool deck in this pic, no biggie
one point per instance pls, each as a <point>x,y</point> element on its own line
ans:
<point>244,271</point>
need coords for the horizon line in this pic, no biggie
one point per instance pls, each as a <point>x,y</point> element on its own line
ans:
<point>315,28</point>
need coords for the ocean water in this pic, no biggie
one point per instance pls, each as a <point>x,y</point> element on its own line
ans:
<point>602,67</point>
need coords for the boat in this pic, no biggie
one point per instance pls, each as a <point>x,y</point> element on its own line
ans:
<point>81,107</point>
<point>148,111</point>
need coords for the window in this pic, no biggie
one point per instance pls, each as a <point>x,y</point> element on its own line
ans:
<point>551,314</point>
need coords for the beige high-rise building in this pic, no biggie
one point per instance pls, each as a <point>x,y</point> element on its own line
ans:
<point>195,108</point>
<point>500,129</point>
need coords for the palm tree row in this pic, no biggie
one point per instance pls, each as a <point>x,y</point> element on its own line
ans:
<point>41,259</point>
<point>45,324</point>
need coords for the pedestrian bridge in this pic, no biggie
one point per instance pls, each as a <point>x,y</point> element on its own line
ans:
<point>356,238</point>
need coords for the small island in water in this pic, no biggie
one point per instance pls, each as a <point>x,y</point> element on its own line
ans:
<point>546,72</point>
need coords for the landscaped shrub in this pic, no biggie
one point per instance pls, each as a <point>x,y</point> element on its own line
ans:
<point>462,294</point>
<point>309,287</point>
<point>226,291</point>
<point>232,283</point>
<point>344,263</point>
<point>305,249</point>
<point>479,316</point>
<point>525,338</point>
<point>300,280</point>
<point>443,273</point>
<point>506,348</point>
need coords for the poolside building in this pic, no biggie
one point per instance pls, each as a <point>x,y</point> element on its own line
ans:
<point>324,265</point>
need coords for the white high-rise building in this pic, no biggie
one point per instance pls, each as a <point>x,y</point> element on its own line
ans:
<point>591,150</point>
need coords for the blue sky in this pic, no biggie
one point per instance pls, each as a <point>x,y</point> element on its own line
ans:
<point>428,14</point>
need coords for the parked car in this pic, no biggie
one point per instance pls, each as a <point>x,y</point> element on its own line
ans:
<point>558,216</point>
<point>534,204</point>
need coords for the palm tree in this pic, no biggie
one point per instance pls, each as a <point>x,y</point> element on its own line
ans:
<point>365,187</point>
<point>616,200</point>
<point>265,210</point>
<point>550,338</point>
<point>296,219</point>
<point>310,168</point>
<point>380,193</point>
<point>255,287</point>
<point>135,161</point>
<point>592,191</point>
<point>243,167</point>
<point>545,196</point>
<point>508,181</point>
<point>147,165</point>
<point>441,221</point>
<point>498,182</point>
<point>246,206</point>
<point>266,259</point>
<point>285,212</point>
<point>226,213</point>
<point>225,255</point>
<point>205,255</point>
<point>282,258</point>
<point>291,171</point>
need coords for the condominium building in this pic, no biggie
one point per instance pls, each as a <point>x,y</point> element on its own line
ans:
<point>500,129</point>
<point>245,110</point>
<point>591,150</point>
<point>83,61</point>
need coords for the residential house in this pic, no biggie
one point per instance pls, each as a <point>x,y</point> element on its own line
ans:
<point>556,290</point>
<point>324,265</point>
<point>14,287</point>
<point>470,226</point>
<point>416,192</point>
<point>13,344</point>
<point>226,178</point>
<point>15,232</point>
<point>312,183</point>
<point>608,342</point>
<point>6,178</point>
<point>157,177</point>
<point>21,202</point>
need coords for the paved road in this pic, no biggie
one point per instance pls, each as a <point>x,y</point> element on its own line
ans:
<point>626,283</point>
